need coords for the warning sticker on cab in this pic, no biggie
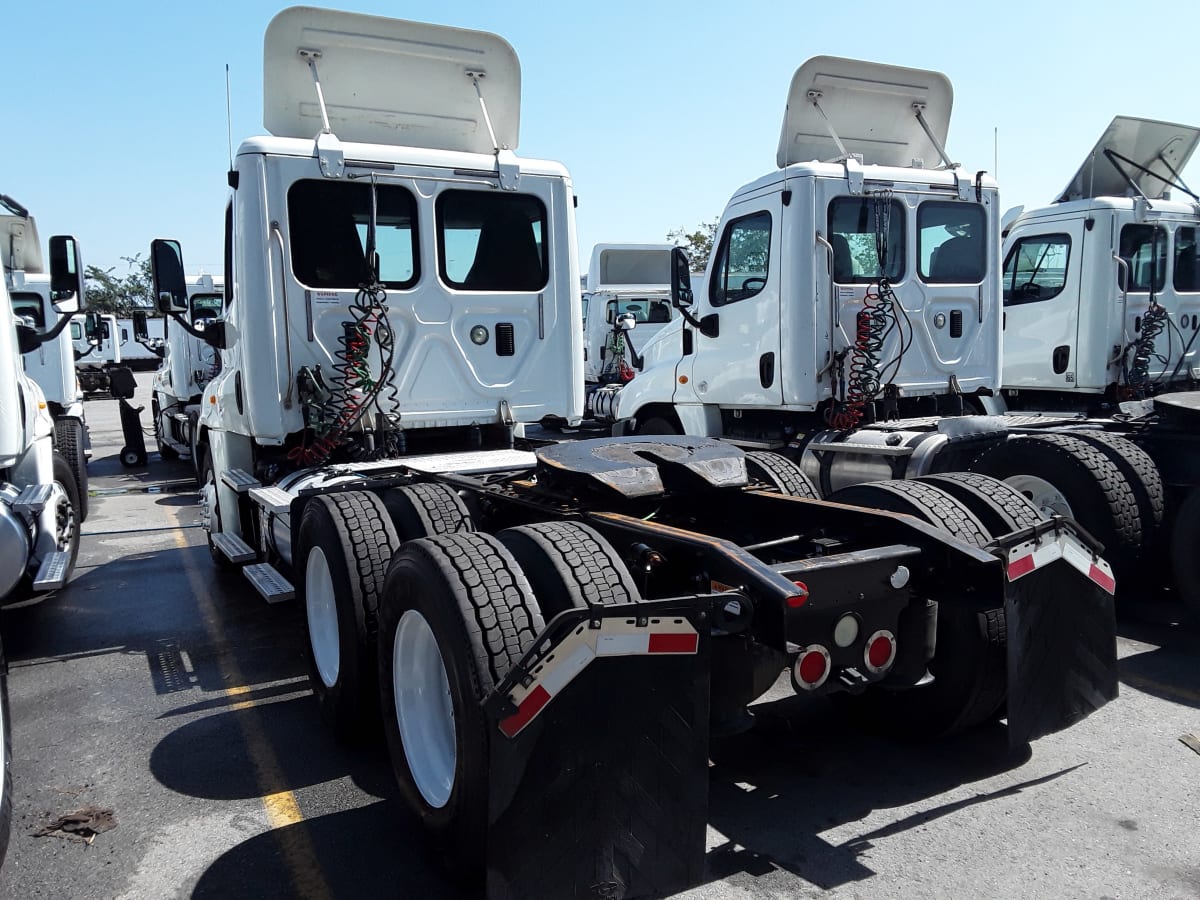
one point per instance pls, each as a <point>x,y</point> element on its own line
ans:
<point>325,298</point>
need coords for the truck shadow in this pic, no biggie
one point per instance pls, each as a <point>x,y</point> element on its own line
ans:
<point>804,770</point>
<point>1167,669</point>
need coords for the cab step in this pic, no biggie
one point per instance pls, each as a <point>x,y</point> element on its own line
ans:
<point>234,548</point>
<point>276,501</point>
<point>268,582</point>
<point>239,480</point>
<point>33,499</point>
<point>52,573</point>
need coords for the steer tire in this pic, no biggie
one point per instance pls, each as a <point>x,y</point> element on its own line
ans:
<point>783,474</point>
<point>469,593</point>
<point>1101,498</point>
<point>1185,553</point>
<point>68,441</point>
<point>569,566</point>
<point>344,546</point>
<point>65,478</point>
<point>969,665</point>
<point>657,425</point>
<point>1000,507</point>
<point>927,502</point>
<point>425,510</point>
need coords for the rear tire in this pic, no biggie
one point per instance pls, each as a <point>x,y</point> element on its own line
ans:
<point>569,566</point>
<point>68,441</point>
<point>425,510</point>
<point>1143,477</point>
<point>344,546</point>
<point>969,665</point>
<point>1083,477</point>
<point>784,474</point>
<point>459,603</point>
<point>1000,507</point>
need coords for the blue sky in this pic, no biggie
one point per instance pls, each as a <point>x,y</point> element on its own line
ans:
<point>115,111</point>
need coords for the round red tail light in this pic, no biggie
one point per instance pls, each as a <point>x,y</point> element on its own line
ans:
<point>812,667</point>
<point>880,652</point>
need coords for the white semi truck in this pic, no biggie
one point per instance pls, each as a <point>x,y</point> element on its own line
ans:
<point>188,364</point>
<point>854,310</point>
<point>403,298</point>
<point>98,339</point>
<point>39,499</point>
<point>51,365</point>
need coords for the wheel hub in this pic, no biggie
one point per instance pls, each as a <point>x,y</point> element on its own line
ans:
<point>320,607</point>
<point>1042,494</point>
<point>424,708</point>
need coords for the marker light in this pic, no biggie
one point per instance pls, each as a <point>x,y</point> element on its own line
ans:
<point>845,632</point>
<point>812,667</point>
<point>880,652</point>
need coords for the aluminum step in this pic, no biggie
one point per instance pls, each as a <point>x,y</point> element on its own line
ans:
<point>239,480</point>
<point>276,501</point>
<point>52,573</point>
<point>268,582</point>
<point>33,499</point>
<point>234,548</point>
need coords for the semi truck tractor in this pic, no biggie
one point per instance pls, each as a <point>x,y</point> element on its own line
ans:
<point>854,311</point>
<point>548,634</point>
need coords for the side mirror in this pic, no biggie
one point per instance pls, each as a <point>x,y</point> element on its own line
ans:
<point>66,275</point>
<point>681,279</point>
<point>626,322</point>
<point>93,327</point>
<point>166,265</point>
<point>141,327</point>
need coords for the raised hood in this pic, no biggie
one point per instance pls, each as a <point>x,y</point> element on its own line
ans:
<point>870,106</point>
<point>1157,146</point>
<point>389,81</point>
<point>21,249</point>
<point>629,266</point>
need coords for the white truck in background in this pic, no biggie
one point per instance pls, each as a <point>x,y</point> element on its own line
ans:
<point>98,339</point>
<point>145,352</point>
<point>403,298</point>
<point>188,364</point>
<point>853,312</point>
<point>624,280</point>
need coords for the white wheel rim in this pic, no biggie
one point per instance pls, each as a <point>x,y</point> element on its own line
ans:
<point>1043,494</point>
<point>424,708</point>
<point>64,519</point>
<point>321,608</point>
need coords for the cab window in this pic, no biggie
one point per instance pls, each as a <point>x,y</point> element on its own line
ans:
<point>951,245</point>
<point>860,230</point>
<point>206,306</point>
<point>491,242</point>
<point>1144,249</point>
<point>76,331</point>
<point>1036,268</point>
<point>29,306</point>
<point>328,222</point>
<point>1187,255</point>
<point>743,260</point>
<point>645,311</point>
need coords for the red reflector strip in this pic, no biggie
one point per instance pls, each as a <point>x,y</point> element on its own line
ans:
<point>673,643</point>
<point>1019,567</point>
<point>529,708</point>
<point>1103,579</point>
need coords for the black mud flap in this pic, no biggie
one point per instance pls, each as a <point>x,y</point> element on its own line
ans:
<point>599,758</point>
<point>131,428</point>
<point>1062,644</point>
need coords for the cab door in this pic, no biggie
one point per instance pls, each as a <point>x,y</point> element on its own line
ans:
<point>735,361</point>
<point>1042,277</point>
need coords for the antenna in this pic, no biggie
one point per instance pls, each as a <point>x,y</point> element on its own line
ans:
<point>228,118</point>
<point>996,152</point>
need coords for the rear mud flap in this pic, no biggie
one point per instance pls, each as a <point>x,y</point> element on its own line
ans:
<point>599,785</point>
<point>1062,645</point>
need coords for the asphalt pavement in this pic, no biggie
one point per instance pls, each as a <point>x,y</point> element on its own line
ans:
<point>161,689</point>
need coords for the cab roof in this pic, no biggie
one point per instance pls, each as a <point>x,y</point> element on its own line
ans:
<point>870,106</point>
<point>390,81</point>
<point>1153,145</point>
<point>629,266</point>
<point>20,250</point>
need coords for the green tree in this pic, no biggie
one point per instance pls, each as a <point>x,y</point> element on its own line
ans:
<point>121,294</point>
<point>698,243</point>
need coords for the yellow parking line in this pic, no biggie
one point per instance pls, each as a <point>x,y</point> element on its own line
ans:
<point>282,810</point>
